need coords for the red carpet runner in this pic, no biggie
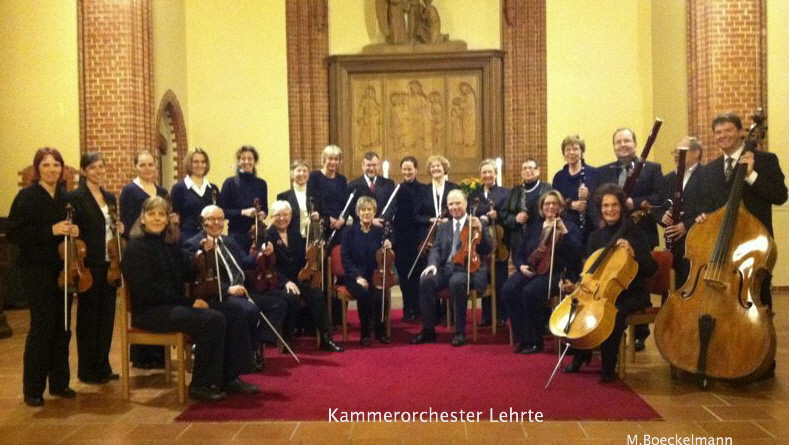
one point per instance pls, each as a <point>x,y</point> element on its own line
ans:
<point>399,377</point>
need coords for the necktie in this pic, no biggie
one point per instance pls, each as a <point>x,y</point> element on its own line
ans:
<point>455,239</point>
<point>624,174</point>
<point>372,186</point>
<point>729,167</point>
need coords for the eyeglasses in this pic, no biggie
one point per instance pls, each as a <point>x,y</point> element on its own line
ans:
<point>215,220</point>
<point>529,168</point>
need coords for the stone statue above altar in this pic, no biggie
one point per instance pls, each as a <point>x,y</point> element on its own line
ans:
<point>411,26</point>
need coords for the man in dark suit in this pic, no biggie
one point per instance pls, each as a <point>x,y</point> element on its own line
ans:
<point>647,188</point>
<point>492,193</point>
<point>764,180</point>
<point>441,272</point>
<point>371,184</point>
<point>691,203</point>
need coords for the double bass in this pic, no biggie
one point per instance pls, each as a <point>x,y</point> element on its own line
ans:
<point>716,325</point>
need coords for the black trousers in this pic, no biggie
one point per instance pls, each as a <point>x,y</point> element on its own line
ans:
<point>95,321</point>
<point>404,259</point>
<point>47,344</point>
<point>316,305</point>
<point>369,303</point>
<point>455,280</point>
<point>501,304</point>
<point>274,305</point>
<point>525,298</point>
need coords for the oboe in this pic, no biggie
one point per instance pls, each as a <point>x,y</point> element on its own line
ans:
<point>523,207</point>
<point>582,214</point>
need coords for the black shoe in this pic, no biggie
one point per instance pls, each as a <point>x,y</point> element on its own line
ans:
<point>241,387</point>
<point>424,337</point>
<point>34,401</point>
<point>608,377</point>
<point>501,323</point>
<point>365,341</point>
<point>66,393</point>
<point>94,380</point>
<point>207,393</point>
<point>639,345</point>
<point>484,323</point>
<point>518,348</point>
<point>459,340</point>
<point>327,344</point>
<point>533,349</point>
<point>409,318</point>
<point>112,376</point>
<point>383,339</point>
<point>578,361</point>
<point>260,361</point>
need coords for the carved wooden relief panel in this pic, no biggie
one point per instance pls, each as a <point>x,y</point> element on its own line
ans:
<point>418,105</point>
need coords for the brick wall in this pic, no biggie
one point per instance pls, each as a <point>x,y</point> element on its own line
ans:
<point>116,83</point>
<point>727,56</point>
<point>308,90</point>
<point>525,90</point>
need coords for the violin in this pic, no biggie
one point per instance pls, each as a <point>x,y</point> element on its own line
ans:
<point>467,256</point>
<point>716,325</point>
<point>74,277</point>
<point>384,275</point>
<point>586,317</point>
<point>312,272</point>
<point>500,251</point>
<point>257,231</point>
<point>114,248</point>
<point>265,276</point>
<point>540,258</point>
<point>207,286</point>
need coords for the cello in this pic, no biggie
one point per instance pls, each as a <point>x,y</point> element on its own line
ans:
<point>716,325</point>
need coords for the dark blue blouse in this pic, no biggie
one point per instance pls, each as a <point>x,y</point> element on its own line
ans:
<point>238,193</point>
<point>568,185</point>
<point>333,191</point>
<point>188,204</point>
<point>358,251</point>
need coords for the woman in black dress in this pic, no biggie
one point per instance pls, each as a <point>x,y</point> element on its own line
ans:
<point>37,223</point>
<point>96,307</point>
<point>238,196</point>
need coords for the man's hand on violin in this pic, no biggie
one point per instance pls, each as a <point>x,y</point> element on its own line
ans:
<point>292,288</point>
<point>626,244</point>
<point>526,271</point>
<point>200,304</point>
<point>207,244</point>
<point>361,281</point>
<point>522,217</point>
<point>65,228</point>
<point>429,270</point>
<point>475,223</point>
<point>676,231</point>
<point>236,290</point>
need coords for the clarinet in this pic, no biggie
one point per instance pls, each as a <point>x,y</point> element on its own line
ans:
<point>523,207</point>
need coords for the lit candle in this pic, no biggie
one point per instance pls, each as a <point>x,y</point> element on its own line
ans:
<point>386,169</point>
<point>498,172</point>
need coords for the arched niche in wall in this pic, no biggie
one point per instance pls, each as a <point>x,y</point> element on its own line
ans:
<point>172,145</point>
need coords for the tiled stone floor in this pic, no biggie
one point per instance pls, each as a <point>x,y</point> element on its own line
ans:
<point>751,415</point>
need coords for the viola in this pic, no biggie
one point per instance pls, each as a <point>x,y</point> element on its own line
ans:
<point>384,275</point>
<point>716,325</point>
<point>540,258</point>
<point>312,272</point>
<point>586,317</point>
<point>74,277</point>
<point>265,271</point>
<point>114,248</point>
<point>467,256</point>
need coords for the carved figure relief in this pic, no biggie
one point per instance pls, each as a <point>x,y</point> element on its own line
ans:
<point>369,120</point>
<point>409,21</point>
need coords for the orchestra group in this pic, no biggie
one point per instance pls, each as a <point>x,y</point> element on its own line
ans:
<point>174,242</point>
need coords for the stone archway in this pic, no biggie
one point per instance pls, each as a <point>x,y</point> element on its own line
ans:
<point>172,146</point>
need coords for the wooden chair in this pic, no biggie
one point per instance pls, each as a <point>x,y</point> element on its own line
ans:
<point>660,284</point>
<point>473,295</point>
<point>131,335</point>
<point>336,272</point>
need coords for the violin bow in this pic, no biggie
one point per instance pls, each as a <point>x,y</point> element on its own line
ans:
<point>218,274</point>
<point>66,239</point>
<point>424,243</point>
<point>470,236</point>
<point>114,213</point>
<point>343,215</point>
<point>279,337</point>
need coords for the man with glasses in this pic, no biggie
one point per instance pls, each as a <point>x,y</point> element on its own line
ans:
<point>233,263</point>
